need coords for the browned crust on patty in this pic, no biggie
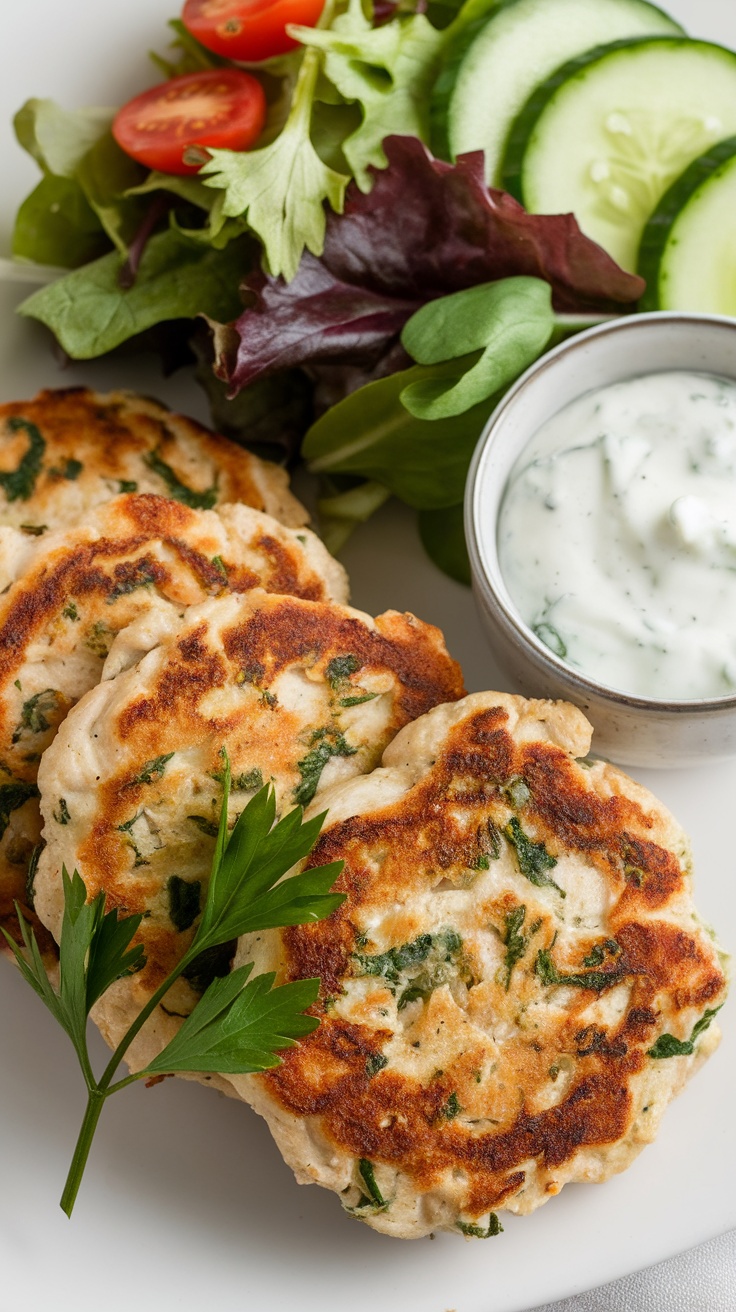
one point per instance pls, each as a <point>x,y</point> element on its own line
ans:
<point>113,437</point>
<point>238,651</point>
<point>400,849</point>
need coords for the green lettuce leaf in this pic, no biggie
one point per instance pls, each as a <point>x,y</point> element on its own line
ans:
<point>388,70</point>
<point>281,189</point>
<point>58,139</point>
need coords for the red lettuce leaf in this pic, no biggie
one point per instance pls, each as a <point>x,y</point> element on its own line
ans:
<point>426,228</point>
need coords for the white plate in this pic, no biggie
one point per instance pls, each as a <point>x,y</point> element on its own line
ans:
<point>186,1202</point>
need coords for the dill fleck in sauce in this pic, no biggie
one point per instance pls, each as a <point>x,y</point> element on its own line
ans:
<point>617,535</point>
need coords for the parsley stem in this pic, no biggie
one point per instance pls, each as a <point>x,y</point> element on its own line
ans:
<point>95,1103</point>
<point>141,1019</point>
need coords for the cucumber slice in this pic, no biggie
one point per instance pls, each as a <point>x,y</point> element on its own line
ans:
<point>608,133</point>
<point>498,52</point>
<point>687,252</point>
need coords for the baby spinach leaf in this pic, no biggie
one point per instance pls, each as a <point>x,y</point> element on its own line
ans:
<point>443,538</point>
<point>177,279</point>
<point>510,321</point>
<point>597,980</point>
<point>371,434</point>
<point>55,224</point>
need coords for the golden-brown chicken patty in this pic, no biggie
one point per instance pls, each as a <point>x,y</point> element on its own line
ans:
<point>136,566</point>
<point>66,451</point>
<point>515,987</point>
<point>300,693</point>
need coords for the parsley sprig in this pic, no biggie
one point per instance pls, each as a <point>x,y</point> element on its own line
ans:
<point>241,1022</point>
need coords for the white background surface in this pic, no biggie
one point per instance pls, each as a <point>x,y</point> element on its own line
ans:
<point>186,1202</point>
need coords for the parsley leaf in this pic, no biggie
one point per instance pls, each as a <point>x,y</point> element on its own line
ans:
<point>597,980</point>
<point>239,1023</point>
<point>533,858</point>
<point>18,484</point>
<point>260,1019</point>
<point>180,491</point>
<point>281,188</point>
<point>477,1232</point>
<point>668,1046</point>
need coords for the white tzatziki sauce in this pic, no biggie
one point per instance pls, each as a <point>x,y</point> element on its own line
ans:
<point>617,535</point>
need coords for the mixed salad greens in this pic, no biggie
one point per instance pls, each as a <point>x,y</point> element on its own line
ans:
<point>346,295</point>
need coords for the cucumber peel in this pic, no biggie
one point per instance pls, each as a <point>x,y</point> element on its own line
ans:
<point>497,51</point>
<point>687,252</point>
<point>608,133</point>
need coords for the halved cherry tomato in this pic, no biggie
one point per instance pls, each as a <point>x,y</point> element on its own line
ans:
<point>248,30</point>
<point>221,107</point>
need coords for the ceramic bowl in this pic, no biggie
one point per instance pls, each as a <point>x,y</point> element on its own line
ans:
<point>632,730</point>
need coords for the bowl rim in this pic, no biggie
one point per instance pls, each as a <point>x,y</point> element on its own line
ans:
<point>482,580</point>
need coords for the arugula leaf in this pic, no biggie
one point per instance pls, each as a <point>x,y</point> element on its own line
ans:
<point>668,1046</point>
<point>510,321</point>
<point>389,70</point>
<point>177,279</point>
<point>281,188</point>
<point>236,1028</point>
